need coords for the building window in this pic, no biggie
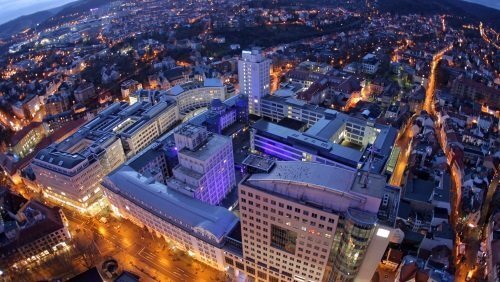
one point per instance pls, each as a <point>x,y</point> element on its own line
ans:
<point>240,265</point>
<point>229,261</point>
<point>273,279</point>
<point>251,270</point>
<point>283,239</point>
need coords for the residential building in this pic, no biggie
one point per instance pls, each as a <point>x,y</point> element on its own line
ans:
<point>29,231</point>
<point>254,78</point>
<point>416,269</point>
<point>128,87</point>
<point>370,64</point>
<point>85,92</point>
<point>57,104</point>
<point>470,89</point>
<point>493,247</point>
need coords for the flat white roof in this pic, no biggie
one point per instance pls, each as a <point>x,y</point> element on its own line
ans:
<point>214,145</point>
<point>326,176</point>
<point>170,204</point>
<point>212,82</point>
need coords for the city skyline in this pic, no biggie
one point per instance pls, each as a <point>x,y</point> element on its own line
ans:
<point>224,141</point>
<point>10,10</point>
<point>13,10</point>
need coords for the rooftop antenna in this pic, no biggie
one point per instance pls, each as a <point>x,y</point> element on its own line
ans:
<point>365,180</point>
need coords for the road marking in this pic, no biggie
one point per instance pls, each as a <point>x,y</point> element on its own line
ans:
<point>162,268</point>
<point>146,254</point>
<point>97,247</point>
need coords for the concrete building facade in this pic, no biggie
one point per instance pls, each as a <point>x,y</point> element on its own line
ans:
<point>254,78</point>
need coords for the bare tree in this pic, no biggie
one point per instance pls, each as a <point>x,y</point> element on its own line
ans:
<point>87,250</point>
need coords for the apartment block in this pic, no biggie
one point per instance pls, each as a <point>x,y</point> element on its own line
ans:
<point>254,78</point>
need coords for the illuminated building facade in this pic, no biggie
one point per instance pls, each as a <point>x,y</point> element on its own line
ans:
<point>57,104</point>
<point>194,95</point>
<point>30,231</point>
<point>189,224</point>
<point>206,164</point>
<point>69,172</point>
<point>305,221</point>
<point>128,87</point>
<point>330,137</point>
<point>70,175</point>
<point>254,78</point>
<point>23,142</point>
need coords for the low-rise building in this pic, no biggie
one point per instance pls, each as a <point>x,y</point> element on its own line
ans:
<point>370,64</point>
<point>29,231</point>
<point>493,247</point>
<point>128,87</point>
<point>57,104</point>
<point>23,142</point>
<point>85,92</point>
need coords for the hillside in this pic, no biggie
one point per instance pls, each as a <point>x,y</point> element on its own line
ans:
<point>49,17</point>
<point>470,12</point>
<point>24,22</point>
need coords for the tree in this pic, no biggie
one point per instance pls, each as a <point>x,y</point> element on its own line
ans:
<point>87,251</point>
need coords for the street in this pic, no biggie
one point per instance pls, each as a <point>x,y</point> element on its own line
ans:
<point>472,235</point>
<point>139,251</point>
<point>135,249</point>
<point>404,144</point>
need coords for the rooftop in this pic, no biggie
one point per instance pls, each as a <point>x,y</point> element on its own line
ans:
<point>419,190</point>
<point>119,120</point>
<point>307,173</point>
<point>215,143</point>
<point>295,178</point>
<point>181,88</point>
<point>170,205</point>
<point>37,221</point>
<point>258,162</point>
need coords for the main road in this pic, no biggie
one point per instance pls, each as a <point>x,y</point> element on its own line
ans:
<point>134,248</point>
<point>404,144</point>
<point>404,140</point>
<point>142,252</point>
<point>471,235</point>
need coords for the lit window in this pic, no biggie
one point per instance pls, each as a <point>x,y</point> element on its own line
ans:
<point>384,233</point>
